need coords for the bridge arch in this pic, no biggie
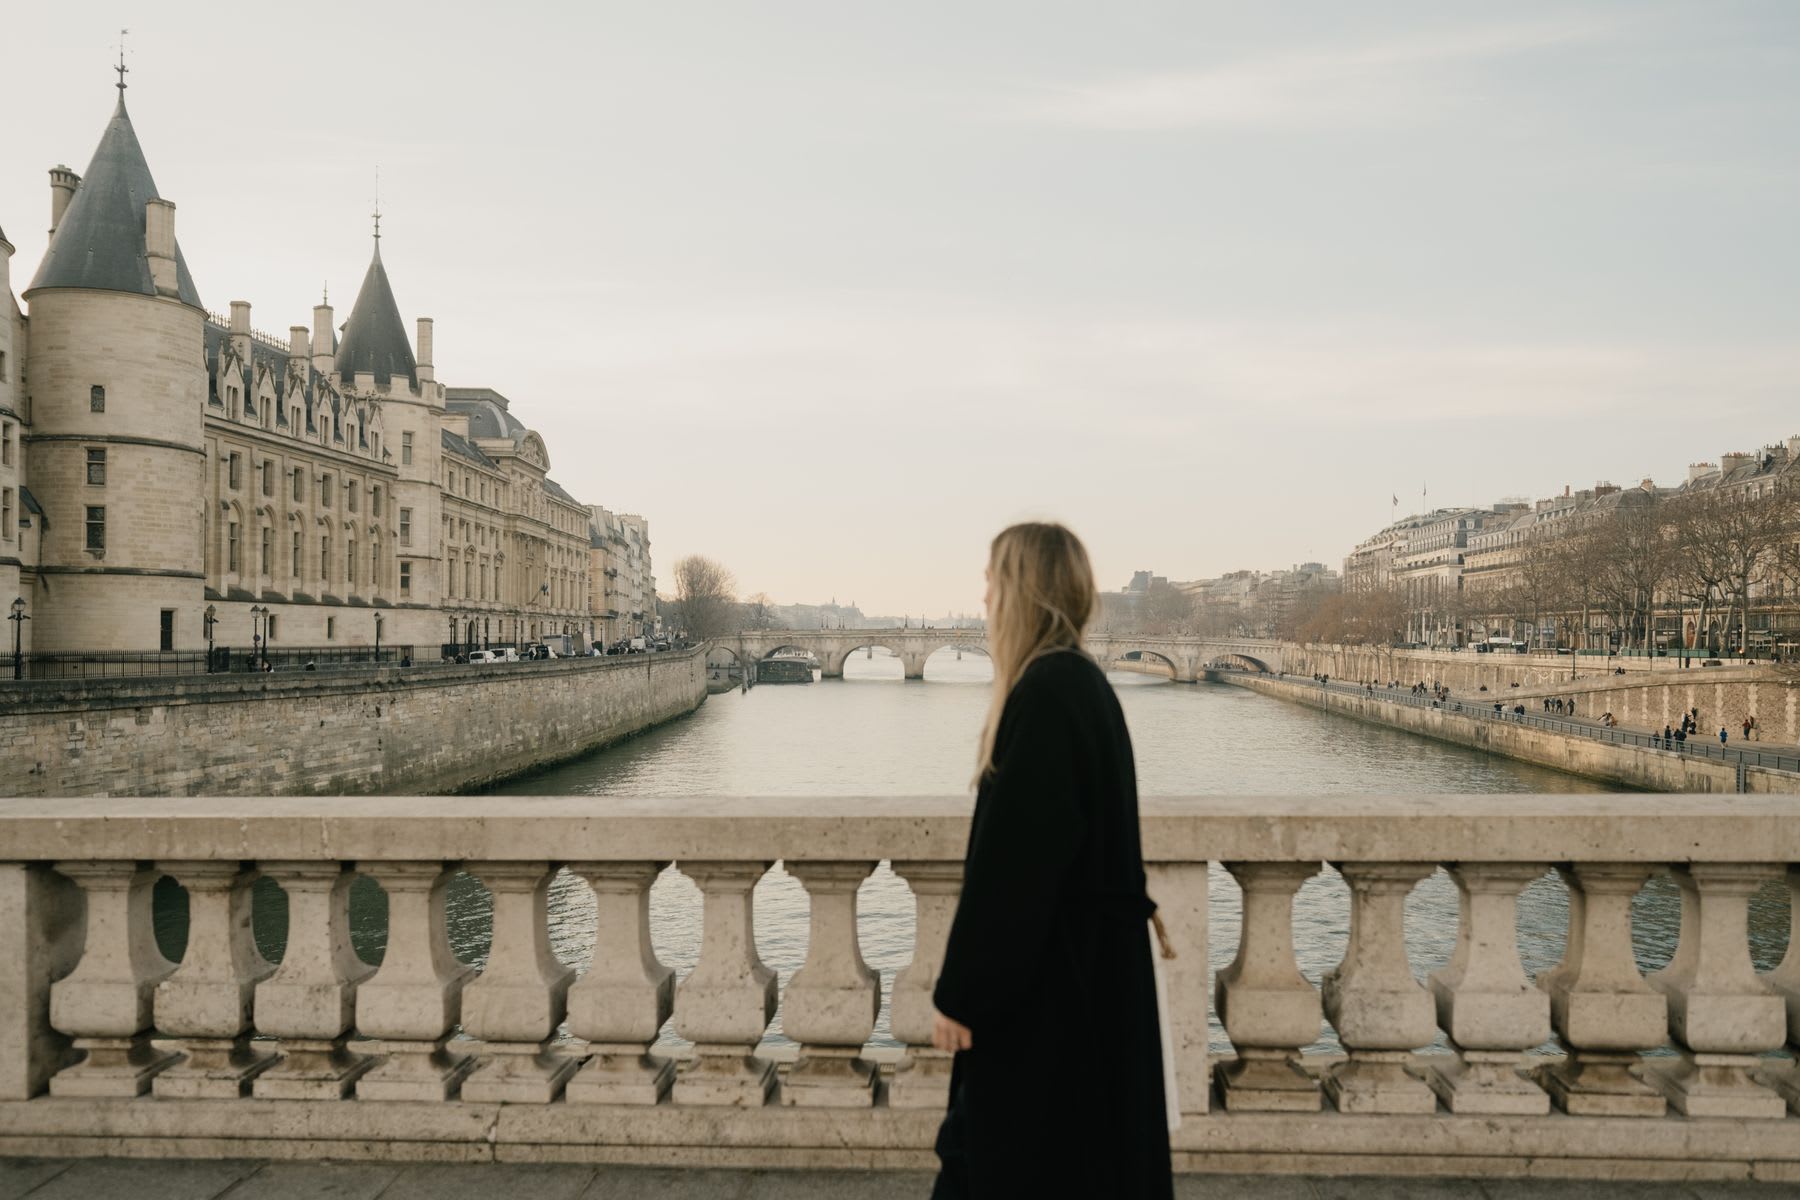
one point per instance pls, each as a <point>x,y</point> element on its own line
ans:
<point>831,661</point>
<point>1240,662</point>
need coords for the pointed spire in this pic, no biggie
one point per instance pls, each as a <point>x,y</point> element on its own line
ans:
<point>375,341</point>
<point>122,69</point>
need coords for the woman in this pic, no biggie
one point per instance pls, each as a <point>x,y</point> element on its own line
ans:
<point>1047,994</point>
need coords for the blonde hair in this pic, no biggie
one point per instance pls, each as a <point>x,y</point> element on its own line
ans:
<point>1044,596</point>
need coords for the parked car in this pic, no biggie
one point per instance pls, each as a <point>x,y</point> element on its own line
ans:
<point>484,656</point>
<point>637,645</point>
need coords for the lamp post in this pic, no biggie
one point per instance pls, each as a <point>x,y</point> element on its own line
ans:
<point>18,618</point>
<point>257,615</point>
<point>210,616</point>
<point>378,638</point>
<point>451,617</point>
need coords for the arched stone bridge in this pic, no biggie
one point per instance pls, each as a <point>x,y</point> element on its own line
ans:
<point>1187,657</point>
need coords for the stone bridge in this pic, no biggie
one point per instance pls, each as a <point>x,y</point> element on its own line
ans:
<point>1187,657</point>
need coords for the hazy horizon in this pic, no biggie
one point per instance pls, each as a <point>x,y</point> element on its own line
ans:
<point>1210,283</point>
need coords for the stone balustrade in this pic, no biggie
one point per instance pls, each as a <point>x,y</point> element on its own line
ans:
<point>1591,1068</point>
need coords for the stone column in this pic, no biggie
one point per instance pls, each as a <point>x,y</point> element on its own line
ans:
<point>832,1001</point>
<point>310,1000</point>
<point>1785,978</point>
<point>1599,1003</point>
<point>412,1003</point>
<point>207,1001</point>
<point>517,1002</point>
<point>105,1003</point>
<point>1267,1007</point>
<point>726,1002</point>
<point>620,1005</point>
<point>1484,1002</point>
<point>1722,1015</point>
<point>923,1080</point>
<point>1380,1012</point>
<point>1179,890</point>
<point>40,941</point>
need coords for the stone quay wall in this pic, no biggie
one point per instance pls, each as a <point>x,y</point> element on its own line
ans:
<point>425,729</point>
<point>1634,767</point>
<point>1467,670</point>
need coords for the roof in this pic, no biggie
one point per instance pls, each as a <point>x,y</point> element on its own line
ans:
<point>488,413</point>
<point>556,489</point>
<point>99,243</point>
<point>375,341</point>
<point>458,445</point>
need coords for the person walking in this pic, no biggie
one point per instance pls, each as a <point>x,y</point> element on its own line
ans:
<point>1722,735</point>
<point>1052,932</point>
<point>1748,726</point>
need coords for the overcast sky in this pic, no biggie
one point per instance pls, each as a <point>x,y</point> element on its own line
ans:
<point>831,291</point>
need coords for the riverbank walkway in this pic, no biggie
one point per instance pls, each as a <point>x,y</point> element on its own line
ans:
<point>179,1179</point>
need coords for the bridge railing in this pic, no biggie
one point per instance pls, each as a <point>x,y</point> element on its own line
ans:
<point>107,1047</point>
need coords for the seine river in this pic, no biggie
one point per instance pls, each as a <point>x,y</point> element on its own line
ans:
<point>873,734</point>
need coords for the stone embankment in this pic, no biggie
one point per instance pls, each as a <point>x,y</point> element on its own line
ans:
<point>1639,767</point>
<point>426,729</point>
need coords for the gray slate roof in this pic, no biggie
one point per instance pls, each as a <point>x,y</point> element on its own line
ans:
<point>556,489</point>
<point>488,413</point>
<point>375,339</point>
<point>99,242</point>
<point>458,446</point>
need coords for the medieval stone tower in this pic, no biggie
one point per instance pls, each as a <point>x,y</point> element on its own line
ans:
<point>117,379</point>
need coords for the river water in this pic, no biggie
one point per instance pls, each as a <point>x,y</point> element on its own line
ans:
<point>875,734</point>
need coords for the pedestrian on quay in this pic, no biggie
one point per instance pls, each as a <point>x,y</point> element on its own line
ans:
<point>1722,735</point>
<point>1053,889</point>
<point>1748,726</point>
<point>1668,734</point>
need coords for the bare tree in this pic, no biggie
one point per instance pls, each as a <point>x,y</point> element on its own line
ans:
<point>704,597</point>
<point>758,612</point>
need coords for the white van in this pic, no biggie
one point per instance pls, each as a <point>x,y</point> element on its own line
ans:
<point>637,644</point>
<point>483,656</point>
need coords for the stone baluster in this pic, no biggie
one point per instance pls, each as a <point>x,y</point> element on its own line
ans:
<point>1722,1015</point>
<point>1599,1003</point>
<point>1379,1010</point>
<point>517,1002</point>
<point>105,1003</point>
<point>923,1080</point>
<point>412,1004</point>
<point>1267,1007</point>
<point>1785,979</point>
<point>1179,889</point>
<point>832,1001</point>
<point>726,1002</point>
<point>1485,1003</point>
<point>207,1002</point>
<point>620,1005</point>
<point>310,1000</point>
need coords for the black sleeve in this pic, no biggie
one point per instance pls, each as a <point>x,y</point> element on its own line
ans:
<point>1020,857</point>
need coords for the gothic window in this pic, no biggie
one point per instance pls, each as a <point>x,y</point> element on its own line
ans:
<point>231,545</point>
<point>299,485</point>
<point>232,470</point>
<point>268,551</point>
<point>406,449</point>
<point>406,527</point>
<point>96,527</point>
<point>297,554</point>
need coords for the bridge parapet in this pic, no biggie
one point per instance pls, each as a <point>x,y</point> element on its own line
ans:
<point>106,1048</point>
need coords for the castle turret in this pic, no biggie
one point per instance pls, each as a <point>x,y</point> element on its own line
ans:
<point>118,382</point>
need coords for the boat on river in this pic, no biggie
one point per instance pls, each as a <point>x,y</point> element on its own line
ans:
<point>782,669</point>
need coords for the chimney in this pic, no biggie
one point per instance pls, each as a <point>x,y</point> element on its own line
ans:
<point>457,423</point>
<point>159,245</point>
<point>63,183</point>
<point>299,346</point>
<point>1699,471</point>
<point>1731,462</point>
<point>426,374</point>
<point>324,345</point>
<point>240,333</point>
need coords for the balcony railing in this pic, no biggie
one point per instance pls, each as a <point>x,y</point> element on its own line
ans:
<point>109,1048</point>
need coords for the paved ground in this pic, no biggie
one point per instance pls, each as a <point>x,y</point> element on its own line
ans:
<point>118,1179</point>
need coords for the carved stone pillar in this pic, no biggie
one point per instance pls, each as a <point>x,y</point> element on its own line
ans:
<point>1599,1003</point>
<point>1785,979</point>
<point>1267,1007</point>
<point>412,1003</point>
<point>516,1003</point>
<point>1722,1015</point>
<point>1179,889</point>
<point>620,1005</point>
<point>105,1003</point>
<point>310,1000</point>
<point>923,1080</point>
<point>832,1000</point>
<point>207,1001</point>
<point>1484,1002</point>
<point>1380,1012</point>
<point>726,1002</point>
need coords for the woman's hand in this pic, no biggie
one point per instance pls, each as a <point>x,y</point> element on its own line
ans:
<point>949,1035</point>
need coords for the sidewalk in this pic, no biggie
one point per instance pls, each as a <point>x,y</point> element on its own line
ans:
<point>155,1179</point>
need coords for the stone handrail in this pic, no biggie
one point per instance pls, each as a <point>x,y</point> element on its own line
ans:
<point>105,1047</point>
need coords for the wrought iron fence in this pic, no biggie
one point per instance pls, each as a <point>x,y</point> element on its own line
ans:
<point>112,664</point>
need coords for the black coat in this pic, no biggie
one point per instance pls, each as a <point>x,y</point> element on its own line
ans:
<point>1048,961</point>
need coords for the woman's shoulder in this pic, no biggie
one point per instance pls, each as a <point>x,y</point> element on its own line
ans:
<point>1058,670</point>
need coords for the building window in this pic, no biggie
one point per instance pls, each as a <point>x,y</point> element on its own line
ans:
<point>406,527</point>
<point>268,551</point>
<point>350,563</point>
<point>96,466</point>
<point>325,559</point>
<point>6,443</point>
<point>167,629</point>
<point>299,485</point>
<point>484,491</point>
<point>406,449</point>
<point>350,490</point>
<point>375,501</point>
<point>231,547</point>
<point>297,552</point>
<point>406,579</point>
<point>268,477</point>
<point>375,565</point>
<point>6,514</point>
<point>96,527</point>
<point>325,491</point>
<point>330,628</point>
<point>232,472</point>
<point>271,637</point>
<point>96,399</point>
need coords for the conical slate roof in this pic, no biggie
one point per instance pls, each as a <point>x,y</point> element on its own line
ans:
<point>99,242</point>
<point>375,337</point>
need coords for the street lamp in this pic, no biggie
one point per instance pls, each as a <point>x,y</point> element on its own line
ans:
<point>211,616</point>
<point>451,617</point>
<point>18,618</point>
<point>257,614</point>
<point>378,637</point>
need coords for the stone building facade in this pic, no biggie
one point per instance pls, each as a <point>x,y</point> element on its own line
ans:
<point>170,474</point>
<point>622,588</point>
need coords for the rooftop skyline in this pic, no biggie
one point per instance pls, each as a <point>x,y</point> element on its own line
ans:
<point>1210,285</point>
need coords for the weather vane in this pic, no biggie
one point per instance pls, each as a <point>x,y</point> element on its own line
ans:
<point>122,69</point>
<point>378,202</point>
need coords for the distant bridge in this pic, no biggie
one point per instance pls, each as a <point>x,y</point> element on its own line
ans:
<point>1188,658</point>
